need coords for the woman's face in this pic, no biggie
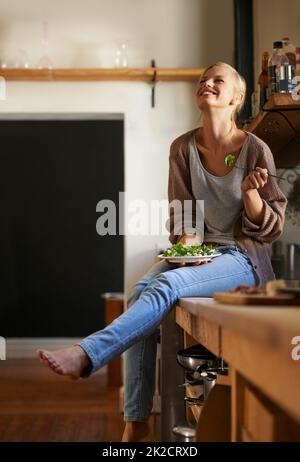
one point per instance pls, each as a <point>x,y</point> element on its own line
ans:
<point>217,88</point>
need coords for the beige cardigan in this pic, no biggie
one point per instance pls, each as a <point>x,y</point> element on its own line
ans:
<point>254,239</point>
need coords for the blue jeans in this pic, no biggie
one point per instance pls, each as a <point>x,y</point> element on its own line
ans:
<point>149,302</point>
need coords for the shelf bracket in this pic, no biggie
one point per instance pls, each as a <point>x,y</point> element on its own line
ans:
<point>153,83</point>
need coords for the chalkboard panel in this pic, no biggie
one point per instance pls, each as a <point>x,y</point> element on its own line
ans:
<point>54,266</point>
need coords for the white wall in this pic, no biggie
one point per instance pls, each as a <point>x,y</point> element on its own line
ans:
<point>82,33</point>
<point>274,19</point>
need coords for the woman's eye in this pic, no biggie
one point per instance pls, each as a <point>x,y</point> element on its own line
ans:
<point>219,80</point>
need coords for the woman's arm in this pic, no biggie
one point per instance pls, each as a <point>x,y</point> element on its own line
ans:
<point>264,211</point>
<point>254,206</point>
<point>182,228</point>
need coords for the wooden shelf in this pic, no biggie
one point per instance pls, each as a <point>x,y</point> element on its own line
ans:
<point>279,126</point>
<point>142,74</point>
<point>100,74</point>
<point>281,101</point>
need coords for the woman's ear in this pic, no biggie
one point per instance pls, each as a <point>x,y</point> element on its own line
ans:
<point>237,99</point>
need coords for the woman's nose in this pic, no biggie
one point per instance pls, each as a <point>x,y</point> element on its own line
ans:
<point>208,83</point>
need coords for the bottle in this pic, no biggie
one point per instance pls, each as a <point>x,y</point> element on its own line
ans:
<point>277,59</point>
<point>286,76</point>
<point>263,80</point>
<point>298,60</point>
<point>255,103</point>
<point>277,259</point>
<point>290,50</point>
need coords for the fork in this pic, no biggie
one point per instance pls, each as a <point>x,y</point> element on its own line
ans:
<point>269,174</point>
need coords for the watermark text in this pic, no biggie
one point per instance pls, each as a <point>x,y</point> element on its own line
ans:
<point>295,353</point>
<point>153,217</point>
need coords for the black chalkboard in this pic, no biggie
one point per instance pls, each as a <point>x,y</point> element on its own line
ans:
<point>53,264</point>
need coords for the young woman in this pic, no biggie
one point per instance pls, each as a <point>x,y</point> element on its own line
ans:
<point>243,215</point>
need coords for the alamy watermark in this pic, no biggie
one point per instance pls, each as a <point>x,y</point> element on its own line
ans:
<point>296,89</point>
<point>2,349</point>
<point>295,353</point>
<point>149,218</point>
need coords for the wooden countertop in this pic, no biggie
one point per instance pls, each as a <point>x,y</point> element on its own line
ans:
<point>275,325</point>
<point>256,342</point>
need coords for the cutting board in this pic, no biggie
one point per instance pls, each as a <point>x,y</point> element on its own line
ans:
<point>255,299</point>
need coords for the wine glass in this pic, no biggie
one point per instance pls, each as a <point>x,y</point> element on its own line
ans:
<point>121,60</point>
<point>21,60</point>
<point>5,60</point>
<point>45,62</point>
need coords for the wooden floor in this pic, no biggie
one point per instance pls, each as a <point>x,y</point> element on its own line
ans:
<point>39,406</point>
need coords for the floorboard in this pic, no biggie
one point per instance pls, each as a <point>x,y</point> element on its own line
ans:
<point>39,406</point>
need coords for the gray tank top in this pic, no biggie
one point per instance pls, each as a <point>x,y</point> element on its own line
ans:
<point>222,195</point>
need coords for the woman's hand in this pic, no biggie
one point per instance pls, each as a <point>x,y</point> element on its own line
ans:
<point>255,180</point>
<point>254,206</point>
<point>189,239</point>
<point>193,263</point>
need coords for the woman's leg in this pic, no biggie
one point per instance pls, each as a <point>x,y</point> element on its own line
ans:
<point>147,311</point>
<point>145,315</point>
<point>140,362</point>
<point>139,386</point>
<point>139,369</point>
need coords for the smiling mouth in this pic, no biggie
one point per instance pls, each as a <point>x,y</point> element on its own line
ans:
<point>204,93</point>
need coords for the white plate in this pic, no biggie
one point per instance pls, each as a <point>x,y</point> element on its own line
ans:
<point>190,259</point>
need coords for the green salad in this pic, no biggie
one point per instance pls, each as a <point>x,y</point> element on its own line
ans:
<point>182,250</point>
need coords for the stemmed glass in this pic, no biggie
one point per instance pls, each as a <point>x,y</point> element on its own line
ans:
<point>18,61</point>
<point>45,62</point>
<point>121,59</point>
<point>21,60</point>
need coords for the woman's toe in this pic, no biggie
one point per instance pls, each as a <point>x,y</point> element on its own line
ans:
<point>45,355</point>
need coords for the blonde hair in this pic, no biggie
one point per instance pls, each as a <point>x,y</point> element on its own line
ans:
<point>241,86</point>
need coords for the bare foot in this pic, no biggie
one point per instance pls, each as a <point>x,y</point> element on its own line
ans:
<point>135,431</point>
<point>70,361</point>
